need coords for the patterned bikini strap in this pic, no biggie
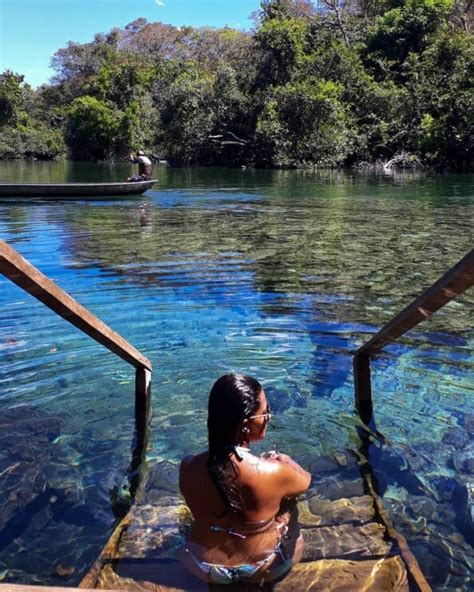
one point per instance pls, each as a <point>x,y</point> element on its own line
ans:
<point>228,531</point>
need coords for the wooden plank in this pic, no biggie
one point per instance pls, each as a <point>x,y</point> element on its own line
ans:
<point>92,577</point>
<point>387,574</point>
<point>19,588</point>
<point>453,283</point>
<point>25,275</point>
<point>419,581</point>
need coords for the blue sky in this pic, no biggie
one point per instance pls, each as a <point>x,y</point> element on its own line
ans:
<point>32,30</point>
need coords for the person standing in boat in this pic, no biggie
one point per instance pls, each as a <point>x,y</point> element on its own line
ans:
<point>241,532</point>
<point>144,167</point>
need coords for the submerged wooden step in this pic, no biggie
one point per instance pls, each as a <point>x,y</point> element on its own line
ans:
<point>347,547</point>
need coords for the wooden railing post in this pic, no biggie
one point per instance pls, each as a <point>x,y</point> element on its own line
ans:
<point>26,276</point>
<point>454,282</point>
<point>142,424</point>
<point>363,387</point>
<point>142,405</point>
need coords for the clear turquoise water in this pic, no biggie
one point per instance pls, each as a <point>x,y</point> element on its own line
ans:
<point>277,274</point>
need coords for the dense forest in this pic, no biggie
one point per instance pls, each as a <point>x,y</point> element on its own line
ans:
<point>332,83</point>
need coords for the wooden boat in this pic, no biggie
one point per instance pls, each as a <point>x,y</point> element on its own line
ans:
<point>60,190</point>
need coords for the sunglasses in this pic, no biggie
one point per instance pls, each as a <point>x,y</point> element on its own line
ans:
<point>267,415</point>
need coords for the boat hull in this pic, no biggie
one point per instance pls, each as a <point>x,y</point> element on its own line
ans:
<point>71,190</point>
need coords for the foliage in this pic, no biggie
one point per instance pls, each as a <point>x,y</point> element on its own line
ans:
<point>38,142</point>
<point>305,123</point>
<point>23,132</point>
<point>441,84</point>
<point>328,83</point>
<point>94,128</point>
<point>12,99</point>
<point>188,119</point>
<point>402,30</point>
<point>282,42</point>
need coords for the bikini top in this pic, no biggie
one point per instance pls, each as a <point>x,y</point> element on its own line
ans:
<point>241,450</point>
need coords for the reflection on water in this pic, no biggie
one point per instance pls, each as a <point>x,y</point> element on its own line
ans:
<point>279,274</point>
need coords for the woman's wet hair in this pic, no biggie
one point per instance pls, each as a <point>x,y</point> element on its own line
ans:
<point>233,398</point>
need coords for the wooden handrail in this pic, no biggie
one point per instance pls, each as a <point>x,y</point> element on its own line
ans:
<point>456,281</point>
<point>453,283</point>
<point>25,275</point>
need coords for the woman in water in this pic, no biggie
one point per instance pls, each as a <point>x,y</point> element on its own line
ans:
<point>239,533</point>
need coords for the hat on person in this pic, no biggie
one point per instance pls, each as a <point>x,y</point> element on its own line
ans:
<point>141,153</point>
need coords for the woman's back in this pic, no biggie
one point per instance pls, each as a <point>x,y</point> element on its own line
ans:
<point>257,482</point>
<point>236,497</point>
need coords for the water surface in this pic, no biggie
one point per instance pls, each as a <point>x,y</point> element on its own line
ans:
<point>280,274</point>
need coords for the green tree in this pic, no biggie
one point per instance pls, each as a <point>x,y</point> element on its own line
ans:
<point>25,132</point>
<point>406,28</point>
<point>317,83</point>
<point>441,84</point>
<point>282,43</point>
<point>94,128</point>
<point>13,98</point>
<point>187,119</point>
<point>283,9</point>
<point>305,123</point>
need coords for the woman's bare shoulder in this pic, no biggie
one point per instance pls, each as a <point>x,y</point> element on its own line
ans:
<point>259,465</point>
<point>190,468</point>
<point>193,460</point>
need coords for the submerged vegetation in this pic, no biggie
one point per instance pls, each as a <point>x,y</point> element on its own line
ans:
<point>332,83</point>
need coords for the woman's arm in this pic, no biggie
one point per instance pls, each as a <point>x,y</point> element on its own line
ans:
<point>291,478</point>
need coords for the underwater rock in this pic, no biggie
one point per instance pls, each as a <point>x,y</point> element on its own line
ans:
<point>26,435</point>
<point>339,461</point>
<point>157,576</point>
<point>469,423</point>
<point>356,510</point>
<point>62,382</point>
<point>306,518</point>
<point>430,510</point>
<point>442,551</point>
<point>447,488</point>
<point>36,451</point>
<point>421,457</point>
<point>463,463</point>
<point>29,423</point>
<point>65,483</point>
<point>446,573</point>
<point>391,466</point>
<point>337,488</point>
<point>456,437</point>
<point>280,400</point>
<point>323,464</point>
<point>463,502</point>
<point>20,483</point>
<point>163,475</point>
<point>64,571</point>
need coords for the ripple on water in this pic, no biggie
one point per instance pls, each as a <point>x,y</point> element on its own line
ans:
<point>280,276</point>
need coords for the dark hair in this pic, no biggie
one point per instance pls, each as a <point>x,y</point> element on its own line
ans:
<point>233,398</point>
